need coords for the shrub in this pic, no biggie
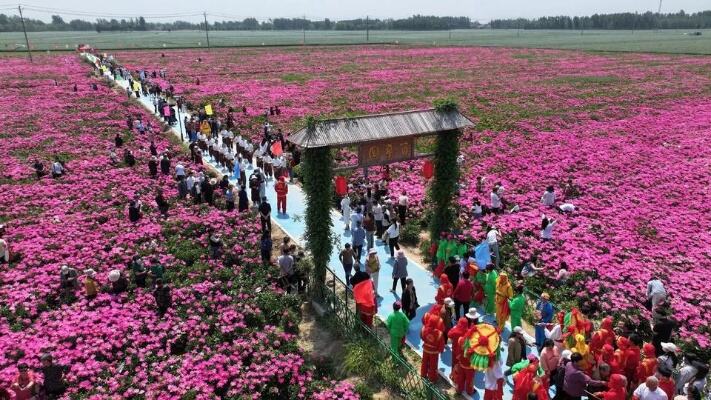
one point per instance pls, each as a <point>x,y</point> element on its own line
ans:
<point>410,233</point>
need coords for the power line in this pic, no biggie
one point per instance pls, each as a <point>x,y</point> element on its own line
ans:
<point>49,10</point>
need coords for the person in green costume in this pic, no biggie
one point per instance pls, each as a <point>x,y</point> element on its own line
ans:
<point>442,247</point>
<point>516,306</point>
<point>452,248</point>
<point>490,289</point>
<point>397,324</point>
<point>462,249</point>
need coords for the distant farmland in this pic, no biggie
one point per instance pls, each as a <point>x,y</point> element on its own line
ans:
<point>664,41</point>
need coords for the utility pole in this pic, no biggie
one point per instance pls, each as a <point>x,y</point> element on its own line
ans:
<point>24,29</point>
<point>367,29</point>
<point>207,36</point>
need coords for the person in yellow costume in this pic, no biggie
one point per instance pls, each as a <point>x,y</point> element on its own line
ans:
<point>504,292</point>
<point>584,350</point>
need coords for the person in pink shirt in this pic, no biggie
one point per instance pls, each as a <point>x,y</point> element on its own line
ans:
<point>549,360</point>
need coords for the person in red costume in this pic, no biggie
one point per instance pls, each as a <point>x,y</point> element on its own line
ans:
<point>281,189</point>
<point>632,358</point>
<point>465,372</point>
<point>432,345</point>
<point>604,335</point>
<point>617,389</point>
<point>526,381</point>
<point>648,366</point>
<point>444,290</point>
<point>607,356</point>
<point>454,334</point>
<point>435,313</point>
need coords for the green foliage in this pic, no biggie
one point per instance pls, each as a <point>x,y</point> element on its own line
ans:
<point>310,121</point>
<point>445,181</point>
<point>364,391</point>
<point>446,104</point>
<point>410,233</point>
<point>185,250</point>
<point>275,307</point>
<point>317,169</point>
<point>360,357</point>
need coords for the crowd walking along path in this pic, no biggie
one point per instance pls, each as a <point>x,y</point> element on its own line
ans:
<point>293,224</point>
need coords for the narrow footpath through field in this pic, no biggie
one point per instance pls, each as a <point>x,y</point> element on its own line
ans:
<point>293,223</point>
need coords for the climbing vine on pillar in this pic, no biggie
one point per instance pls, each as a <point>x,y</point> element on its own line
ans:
<point>444,185</point>
<point>317,171</point>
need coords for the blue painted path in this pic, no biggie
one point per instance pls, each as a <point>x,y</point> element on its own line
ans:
<point>293,224</point>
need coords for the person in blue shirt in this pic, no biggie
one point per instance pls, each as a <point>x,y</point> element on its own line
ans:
<point>545,308</point>
<point>358,239</point>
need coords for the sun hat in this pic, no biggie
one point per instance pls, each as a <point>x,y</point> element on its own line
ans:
<point>518,329</point>
<point>473,314</point>
<point>64,268</point>
<point>566,354</point>
<point>373,251</point>
<point>114,275</point>
<point>545,295</point>
<point>90,272</point>
<point>448,301</point>
<point>669,347</point>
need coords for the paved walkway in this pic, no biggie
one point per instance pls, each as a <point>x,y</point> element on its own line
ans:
<point>293,223</point>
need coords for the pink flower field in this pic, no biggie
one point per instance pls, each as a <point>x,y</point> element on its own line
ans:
<point>223,336</point>
<point>631,130</point>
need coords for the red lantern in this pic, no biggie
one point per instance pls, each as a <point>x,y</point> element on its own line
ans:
<point>341,186</point>
<point>428,169</point>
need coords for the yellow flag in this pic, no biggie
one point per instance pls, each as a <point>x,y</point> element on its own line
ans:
<point>208,109</point>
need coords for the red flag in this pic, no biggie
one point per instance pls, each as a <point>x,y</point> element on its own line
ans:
<point>276,148</point>
<point>363,294</point>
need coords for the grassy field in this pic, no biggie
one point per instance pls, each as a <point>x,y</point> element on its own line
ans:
<point>663,41</point>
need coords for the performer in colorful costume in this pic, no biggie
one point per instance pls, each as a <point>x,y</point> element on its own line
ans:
<point>648,366</point>
<point>516,306</point>
<point>444,290</point>
<point>604,335</point>
<point>398,325</point>
<point>432,345</point>
<point>575,324</point>
<point>435,314</point>
<point>504,292</point>
<point>617,388</point>
<point>581,347</point>
<point>364,296</point>
<point>454,335</point>
<point>482,349</point>
<point>490,289</point>
<point>527,381</point>
<point>607,356</point>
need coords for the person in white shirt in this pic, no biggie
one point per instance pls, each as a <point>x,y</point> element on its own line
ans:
<point>495,202</point>
<point>566,207</point>
<point>346,211</point>
<point>4,251</point>
<point>402,207</point>
<point>650,390</point>
<point>378,217</point>
<point>687,372</point>
<point>476,209</point>
<point>492,237</point>
<point>57,169</point>
<point>556,335</point>
<point>393,235</point>
<point>179,171</point>
<point>656,293</point>
<point>548,198</point>
<point>356,217</point>
<point>547,228</point>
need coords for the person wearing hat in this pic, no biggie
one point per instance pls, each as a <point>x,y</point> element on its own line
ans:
<point>254,182</point>
<point>119,284</point>
<point>472,316</point>
<point>265,215</point>
<point>617,389</point>
<point>516,347</point>
<point>91,287</point>
<point>68,277</point>
<point>668,358</point>
<point>454,334</point>
<point>398,325</point>
<point>448,315</point>
<point>648,364</point>
<point>399,271</point>
<point>134,209</point>
<point>139,271</point>
<point>545,308</point>
<point>372,267</point>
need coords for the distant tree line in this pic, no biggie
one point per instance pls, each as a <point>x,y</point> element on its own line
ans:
<point>416,22</point>
<point>648,20</point>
